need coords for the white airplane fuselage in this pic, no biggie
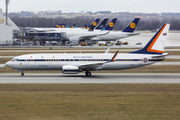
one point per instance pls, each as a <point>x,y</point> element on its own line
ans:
<point>82,34</point>
<point>57,61</point>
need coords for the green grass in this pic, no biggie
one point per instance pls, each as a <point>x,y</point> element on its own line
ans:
<point>90,102</point>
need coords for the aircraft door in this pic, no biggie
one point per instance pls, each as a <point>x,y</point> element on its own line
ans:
<point>26,63</point>
<point>140,60</point>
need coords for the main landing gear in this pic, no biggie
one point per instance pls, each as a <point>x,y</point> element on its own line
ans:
<point>88,74</point>
<point>22,74</point>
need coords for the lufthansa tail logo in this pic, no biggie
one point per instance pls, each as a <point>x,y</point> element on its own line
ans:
<point>1,20</point>
<point>111,24</point>
<point>63,26</point>
<point>132,25</point>
<point>94,23</point>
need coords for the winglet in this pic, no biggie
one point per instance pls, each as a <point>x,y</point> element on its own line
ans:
<point>115,55</point>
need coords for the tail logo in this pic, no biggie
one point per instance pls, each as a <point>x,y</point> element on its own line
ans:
<point>1,20</point>
<point>132,25</point>
<point>63,26</point>
<point>94,23</point>
<point>72,26</point>
<point>88,28</point>
<point>111,24</point>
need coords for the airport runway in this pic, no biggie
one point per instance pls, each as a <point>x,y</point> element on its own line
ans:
<point>147,78</point>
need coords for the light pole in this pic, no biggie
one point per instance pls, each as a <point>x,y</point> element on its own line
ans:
<point>7,3</point>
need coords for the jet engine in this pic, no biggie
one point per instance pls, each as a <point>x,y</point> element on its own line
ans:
<point>70,69</point>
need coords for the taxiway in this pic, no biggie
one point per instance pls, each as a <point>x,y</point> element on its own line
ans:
<point>147,78</point>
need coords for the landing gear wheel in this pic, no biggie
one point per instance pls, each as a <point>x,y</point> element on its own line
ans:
<point>88,74</point>
<point>22,74</point>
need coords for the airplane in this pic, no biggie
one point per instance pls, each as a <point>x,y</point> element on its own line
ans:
<point>74,36</point>
<point>59,28</point>
<point>76,63</point>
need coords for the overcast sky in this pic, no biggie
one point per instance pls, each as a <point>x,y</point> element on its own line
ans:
<point>145,6</point>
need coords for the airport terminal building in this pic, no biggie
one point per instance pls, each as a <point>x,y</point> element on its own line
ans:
<point>6,31</point>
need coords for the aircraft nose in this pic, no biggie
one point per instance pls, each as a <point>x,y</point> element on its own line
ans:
<point>7,64</point>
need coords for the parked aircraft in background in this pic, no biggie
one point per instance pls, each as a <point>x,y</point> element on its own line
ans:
<point>75,63</point>
<point>74,36</point>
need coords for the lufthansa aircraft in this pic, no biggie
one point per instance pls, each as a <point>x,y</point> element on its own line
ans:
<point>74,36</point>
<point>75,63</point>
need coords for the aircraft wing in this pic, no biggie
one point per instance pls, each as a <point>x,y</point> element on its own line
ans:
<point>92,65</point>
<point>96,65</point>
<point>91,36</point>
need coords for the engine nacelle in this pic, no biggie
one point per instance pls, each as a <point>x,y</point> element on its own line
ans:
<point>74,40</point>
<point>70,69</point>
<point>95,39</point>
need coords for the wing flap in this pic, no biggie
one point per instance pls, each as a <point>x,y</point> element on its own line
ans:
<point>98,64</point>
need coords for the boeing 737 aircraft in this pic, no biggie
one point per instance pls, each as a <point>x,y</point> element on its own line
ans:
<point>75,63</point>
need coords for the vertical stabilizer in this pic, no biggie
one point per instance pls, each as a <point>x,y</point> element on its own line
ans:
<point>157,43</point>
<point>132,26</point>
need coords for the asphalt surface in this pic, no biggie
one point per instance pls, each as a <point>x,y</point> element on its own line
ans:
<point>148,78</point>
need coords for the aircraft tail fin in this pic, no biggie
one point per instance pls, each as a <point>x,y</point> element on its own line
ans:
<point>63,25</point>
<point>94,24</point>
<point>111,24</point>
<point>132,26</point>
<point>101,25</point>
<point>88,27</point>
<point>73,26</point>
<point>58,25</point>
<point>157,43</point>
<point>84,27</point>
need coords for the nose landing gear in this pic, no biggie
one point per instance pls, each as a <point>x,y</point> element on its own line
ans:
<point>22,74</point>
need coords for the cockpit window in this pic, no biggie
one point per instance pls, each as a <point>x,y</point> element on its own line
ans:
<point>14,59</point>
